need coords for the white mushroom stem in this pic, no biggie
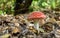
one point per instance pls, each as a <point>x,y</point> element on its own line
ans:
<point>36,23</point>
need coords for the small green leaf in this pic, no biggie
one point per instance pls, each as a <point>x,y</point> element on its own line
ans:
<point>42,30</point>
<point>5,36</point>
<point>53,4</point>
<point>44,4</point>
<point>1,12</point>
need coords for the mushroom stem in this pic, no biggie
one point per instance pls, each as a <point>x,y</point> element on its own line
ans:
<point>36,23</point>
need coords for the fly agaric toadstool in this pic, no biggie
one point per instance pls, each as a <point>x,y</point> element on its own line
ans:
<point>38,18</point>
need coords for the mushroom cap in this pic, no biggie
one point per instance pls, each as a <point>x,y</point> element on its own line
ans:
<point>36,15</point>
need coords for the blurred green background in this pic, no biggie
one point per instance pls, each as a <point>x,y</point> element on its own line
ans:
<point>7,6</point>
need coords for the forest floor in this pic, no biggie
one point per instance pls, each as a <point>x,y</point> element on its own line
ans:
<point>16,26</point>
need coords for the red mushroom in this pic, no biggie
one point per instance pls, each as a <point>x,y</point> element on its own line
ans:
<point>37,16</point>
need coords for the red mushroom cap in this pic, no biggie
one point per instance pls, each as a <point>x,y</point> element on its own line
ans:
<point>36,15</point>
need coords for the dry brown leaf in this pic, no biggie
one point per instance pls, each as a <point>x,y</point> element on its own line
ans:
<point>15,30</point>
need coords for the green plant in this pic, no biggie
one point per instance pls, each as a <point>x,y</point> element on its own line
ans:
<point>7,6</point>
<point>34,6</point>
<point>45,4</point>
